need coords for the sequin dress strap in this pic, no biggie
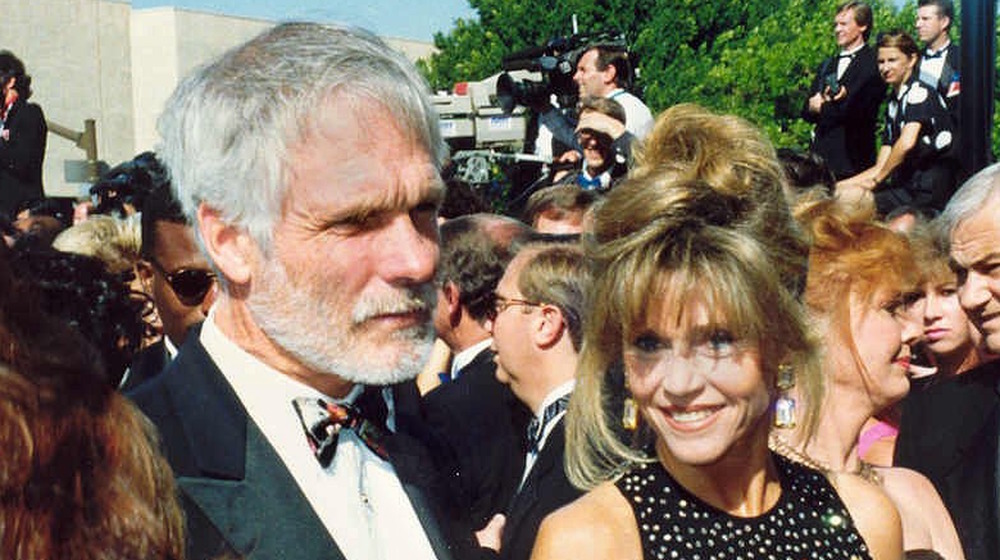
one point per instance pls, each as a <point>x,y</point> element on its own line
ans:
<point>809,521</point>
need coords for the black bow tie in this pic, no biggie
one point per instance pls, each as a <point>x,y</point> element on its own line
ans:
<point>537,427</point>
<point>928,55</point>
<point>849,56</point>
<point>323,420</point>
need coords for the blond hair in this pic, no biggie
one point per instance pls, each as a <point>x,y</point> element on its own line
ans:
<point>703,215</point>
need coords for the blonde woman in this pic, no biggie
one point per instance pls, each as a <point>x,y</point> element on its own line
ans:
<point>697,265</point>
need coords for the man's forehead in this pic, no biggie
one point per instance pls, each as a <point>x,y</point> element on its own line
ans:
<point>978,236</point>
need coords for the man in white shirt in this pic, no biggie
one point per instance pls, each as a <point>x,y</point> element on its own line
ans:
<point>308,160</point>
<point>537,332</point>
<point>602,71</point>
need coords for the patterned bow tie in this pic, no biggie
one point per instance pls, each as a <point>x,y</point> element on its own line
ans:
<point>537,427</point>
<point>323,420</point>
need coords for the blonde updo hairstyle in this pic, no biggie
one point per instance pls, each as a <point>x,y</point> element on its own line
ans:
<point>704,214</point>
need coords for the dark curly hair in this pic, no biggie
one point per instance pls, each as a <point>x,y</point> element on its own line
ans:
<point>98,304</point>
<point>129,183</point>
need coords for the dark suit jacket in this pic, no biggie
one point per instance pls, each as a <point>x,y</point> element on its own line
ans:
<point>237,494</point>
<point>146,364</point>
<point>545,490</point>
<point>21,155</point>
<point>477,426</point>
<point>845,129</point>
<point>949,432</point>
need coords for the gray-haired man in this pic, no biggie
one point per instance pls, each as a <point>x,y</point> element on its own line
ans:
<point>308,161</point>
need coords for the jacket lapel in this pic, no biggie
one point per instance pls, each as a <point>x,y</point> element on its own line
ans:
<point>550,458</point>
<point>234,477</point>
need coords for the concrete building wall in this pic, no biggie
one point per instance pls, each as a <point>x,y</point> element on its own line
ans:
<point>78,55</point>
<point>167,43</point>
<point>102,60</point>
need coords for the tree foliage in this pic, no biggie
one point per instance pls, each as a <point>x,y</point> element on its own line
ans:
<point>754,59</point>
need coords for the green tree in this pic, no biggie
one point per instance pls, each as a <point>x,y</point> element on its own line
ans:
<point>754,59</point>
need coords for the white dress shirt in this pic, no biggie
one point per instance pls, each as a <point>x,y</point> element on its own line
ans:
<point>358,497</point>
<point>638,118</point>
<point>845,59</point>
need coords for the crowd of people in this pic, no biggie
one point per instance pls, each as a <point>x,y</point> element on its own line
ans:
<point>286,334</point>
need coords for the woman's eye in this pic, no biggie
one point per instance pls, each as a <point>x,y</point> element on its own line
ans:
<point>648,343</point>
<point>721,341</point>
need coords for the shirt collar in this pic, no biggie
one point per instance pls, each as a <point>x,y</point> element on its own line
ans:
<point>465,357</point>
<point>554,395</point>
<point>930,51</point>
<point>852,51</point>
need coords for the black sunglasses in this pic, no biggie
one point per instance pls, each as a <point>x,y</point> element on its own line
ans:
<point>191,285</point>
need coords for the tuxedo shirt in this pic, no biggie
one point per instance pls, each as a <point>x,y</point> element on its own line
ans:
<point>358,497</point>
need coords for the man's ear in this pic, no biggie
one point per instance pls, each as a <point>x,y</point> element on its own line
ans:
<point>231,249</point>
<point>549,327</point>
<point>451,300</point>
<point>610,74</point>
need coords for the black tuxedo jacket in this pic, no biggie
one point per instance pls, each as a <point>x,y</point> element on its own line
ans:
<point>21,155</point>
<point>146,364</point>
<point>846,129</point>
<point>949,72</point>
<point>545,490</point>
<point>237,494</point>
<point>949,432</point>
<point>477,428</point>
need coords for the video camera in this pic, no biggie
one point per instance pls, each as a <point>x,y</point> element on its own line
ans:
<point>556,63</point>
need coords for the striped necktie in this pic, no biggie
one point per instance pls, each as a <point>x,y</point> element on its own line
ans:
<point>537,427</point>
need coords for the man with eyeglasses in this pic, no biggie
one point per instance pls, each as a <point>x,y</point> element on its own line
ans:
<point>175,274</point>
<point>537,326</point>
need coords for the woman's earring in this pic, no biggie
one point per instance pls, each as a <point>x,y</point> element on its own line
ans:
<point>630,414</point>
<point>630,410</point>
<point>784,408</point>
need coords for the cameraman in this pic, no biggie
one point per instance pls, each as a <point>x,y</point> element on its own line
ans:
<point>601,71</point>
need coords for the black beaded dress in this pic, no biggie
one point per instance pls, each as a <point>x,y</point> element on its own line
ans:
<point>808,522</point>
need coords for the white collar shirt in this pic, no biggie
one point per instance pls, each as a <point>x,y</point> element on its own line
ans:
<point>931,68</point>
<point>465,357</point>
<point>358,497</point>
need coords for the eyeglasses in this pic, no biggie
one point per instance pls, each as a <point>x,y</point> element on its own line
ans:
<point>191,285</point>
<point>501,303</point>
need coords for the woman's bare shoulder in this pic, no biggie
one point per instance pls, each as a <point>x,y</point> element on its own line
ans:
<point>874,515</point>
<point>599,525</point>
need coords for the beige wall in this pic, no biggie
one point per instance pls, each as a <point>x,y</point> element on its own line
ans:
<point>101,60</point>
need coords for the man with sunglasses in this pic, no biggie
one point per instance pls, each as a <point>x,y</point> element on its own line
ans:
<point>176,275</point>
<point>308,160</point>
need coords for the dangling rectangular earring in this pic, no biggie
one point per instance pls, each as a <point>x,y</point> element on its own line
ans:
<point>784,407</point>
<point>630,414</point>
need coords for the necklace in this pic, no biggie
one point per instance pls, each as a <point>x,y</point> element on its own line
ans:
<point>778,444</point>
